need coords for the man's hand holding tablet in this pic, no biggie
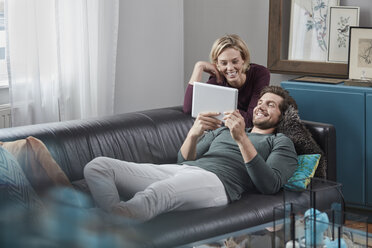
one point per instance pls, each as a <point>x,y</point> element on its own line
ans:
<point>213,98</point>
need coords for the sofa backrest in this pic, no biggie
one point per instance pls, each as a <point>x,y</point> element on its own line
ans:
<point>146,136</point>
<point>325,135</point>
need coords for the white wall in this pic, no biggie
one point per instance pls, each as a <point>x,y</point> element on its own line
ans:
<point>150,55</point>
<point>207,20</point>
<point>161,40</point>
<point>365,18</point>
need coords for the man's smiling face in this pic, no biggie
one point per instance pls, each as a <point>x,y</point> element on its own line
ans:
<point>267,113</point>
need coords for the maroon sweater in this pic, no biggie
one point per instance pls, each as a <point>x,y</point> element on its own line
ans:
<point>258,77</point>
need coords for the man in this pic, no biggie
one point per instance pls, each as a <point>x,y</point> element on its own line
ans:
<point>216,165</point>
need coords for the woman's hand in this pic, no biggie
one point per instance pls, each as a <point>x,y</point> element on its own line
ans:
<point>203,122</point>
<point>203,66</point>
<point>211,69</point>
<point>235,122</point>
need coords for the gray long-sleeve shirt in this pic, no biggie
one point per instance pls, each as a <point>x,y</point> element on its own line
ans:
<point>267,172</point>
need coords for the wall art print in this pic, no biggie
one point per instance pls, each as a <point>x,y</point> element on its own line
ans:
<point>308,34</point>
<point>341,18</point>
<point>360,57</point>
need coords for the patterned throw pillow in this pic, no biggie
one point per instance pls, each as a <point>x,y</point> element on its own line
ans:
<point>305,170</point>
<point>41,170</point>
<point>14,186</point>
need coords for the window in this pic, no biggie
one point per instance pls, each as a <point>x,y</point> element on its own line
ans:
<point>3,64</point>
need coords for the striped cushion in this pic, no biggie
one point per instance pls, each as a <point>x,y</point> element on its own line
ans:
<point>14,186</point>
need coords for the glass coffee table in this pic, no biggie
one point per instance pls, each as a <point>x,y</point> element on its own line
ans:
<point>310,224</point>
<point>265,236</point>
<point>257,236</point>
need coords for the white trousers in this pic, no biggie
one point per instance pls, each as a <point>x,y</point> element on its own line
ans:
<point>148,190</point>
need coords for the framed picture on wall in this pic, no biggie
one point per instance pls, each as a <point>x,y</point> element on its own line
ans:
<point>360,53</point>
<point>308,32</point>
<point>341,18</point>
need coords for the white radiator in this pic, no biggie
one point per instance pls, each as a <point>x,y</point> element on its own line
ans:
<point>5,116</point>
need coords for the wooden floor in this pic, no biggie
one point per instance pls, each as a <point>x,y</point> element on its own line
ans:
<point>360,212</point>
<point>361,226</point>
<point>358,225</point>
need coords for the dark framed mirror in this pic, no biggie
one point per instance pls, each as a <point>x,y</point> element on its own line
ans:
<point>277,62</point>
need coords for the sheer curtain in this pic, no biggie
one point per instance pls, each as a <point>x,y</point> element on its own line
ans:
<point>62,58</point>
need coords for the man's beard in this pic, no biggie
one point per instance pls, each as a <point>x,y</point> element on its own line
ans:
<point>264,125</point>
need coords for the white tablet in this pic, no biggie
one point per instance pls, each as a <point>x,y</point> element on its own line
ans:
<point>209,97</point>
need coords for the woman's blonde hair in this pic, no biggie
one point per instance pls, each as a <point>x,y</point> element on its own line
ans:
<point>230,41</point>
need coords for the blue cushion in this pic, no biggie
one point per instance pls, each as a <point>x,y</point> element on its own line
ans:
<point>14,186</point>
<point>305,170</point>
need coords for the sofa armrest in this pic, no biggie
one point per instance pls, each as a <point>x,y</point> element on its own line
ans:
<point>325,135</point>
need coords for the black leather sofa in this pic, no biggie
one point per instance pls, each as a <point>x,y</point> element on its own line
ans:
<point>156,136</point>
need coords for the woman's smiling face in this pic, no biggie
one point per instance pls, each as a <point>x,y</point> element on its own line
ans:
<point>230,64</point>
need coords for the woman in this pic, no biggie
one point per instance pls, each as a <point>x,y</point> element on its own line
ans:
<point>230,66</point>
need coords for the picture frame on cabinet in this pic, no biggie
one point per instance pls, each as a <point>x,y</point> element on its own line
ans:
<point>308,32</point>
<point>360,54</point>
<point>341,18</point>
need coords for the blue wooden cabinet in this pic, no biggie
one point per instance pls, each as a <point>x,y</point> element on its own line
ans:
<point>369,148</point>
<point>349,109</point>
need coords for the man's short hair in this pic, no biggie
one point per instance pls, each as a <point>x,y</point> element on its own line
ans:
<point>287,99</point>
